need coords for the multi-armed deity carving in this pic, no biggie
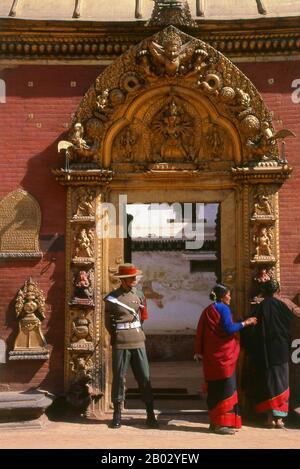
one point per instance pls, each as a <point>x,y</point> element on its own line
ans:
<point>30,311</point>
<point>173,129</point>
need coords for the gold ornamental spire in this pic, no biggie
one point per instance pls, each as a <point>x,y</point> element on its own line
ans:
<point>171,12</point>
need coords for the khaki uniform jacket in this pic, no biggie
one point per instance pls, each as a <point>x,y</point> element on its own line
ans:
<point>114,313</point>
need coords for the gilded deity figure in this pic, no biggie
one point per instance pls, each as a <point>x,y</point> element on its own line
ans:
<point>85,204</point>
<point>84,243</point>
<point>30,310</point>
<point>262,206</point>
<point>83,287</point>
<point>172,57</point>
<point>263,243</point>
<point>215,142</point>
<point>173,127</point>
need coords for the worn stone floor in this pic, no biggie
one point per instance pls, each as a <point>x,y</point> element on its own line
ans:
<point>177,431</point>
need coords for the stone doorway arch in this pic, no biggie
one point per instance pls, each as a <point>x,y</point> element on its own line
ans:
<point>171,120</point>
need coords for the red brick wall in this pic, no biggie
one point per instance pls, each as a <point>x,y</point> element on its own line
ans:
<point>27,154</point>
<point>29,151</point>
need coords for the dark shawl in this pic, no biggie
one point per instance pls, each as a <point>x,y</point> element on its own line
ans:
<point>271,336</point>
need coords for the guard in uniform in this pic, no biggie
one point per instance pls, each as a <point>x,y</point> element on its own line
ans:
<point>126,310</point>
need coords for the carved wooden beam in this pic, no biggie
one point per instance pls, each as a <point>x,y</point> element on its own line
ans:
<point>13,10</point>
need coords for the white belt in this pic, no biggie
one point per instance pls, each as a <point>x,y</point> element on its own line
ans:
<point>128,325</point>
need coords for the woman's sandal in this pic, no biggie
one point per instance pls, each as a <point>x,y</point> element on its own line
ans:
<point>270,422</point>
<point>279,423</point>
<point>224,430</point>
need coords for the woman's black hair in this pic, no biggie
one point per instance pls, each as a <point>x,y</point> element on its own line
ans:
<point>270,287</point>
<point>218,292</point>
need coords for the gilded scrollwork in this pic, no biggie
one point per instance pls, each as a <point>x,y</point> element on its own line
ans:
<point>176,58</point>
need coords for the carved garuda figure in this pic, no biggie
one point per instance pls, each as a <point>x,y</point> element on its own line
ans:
<point>172,57</point>
<point>30,311</point>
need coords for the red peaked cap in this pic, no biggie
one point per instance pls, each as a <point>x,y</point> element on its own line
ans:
<point>127,270</point>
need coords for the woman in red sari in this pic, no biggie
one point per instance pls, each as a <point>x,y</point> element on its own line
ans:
<point>218,345</point>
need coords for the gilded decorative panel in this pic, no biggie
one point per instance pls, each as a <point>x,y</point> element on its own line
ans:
<point>20,221</point>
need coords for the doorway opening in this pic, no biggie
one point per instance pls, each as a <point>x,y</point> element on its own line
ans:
<point>177,246</point>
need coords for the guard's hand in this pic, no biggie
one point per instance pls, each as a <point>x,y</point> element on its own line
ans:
<point>197,357</point>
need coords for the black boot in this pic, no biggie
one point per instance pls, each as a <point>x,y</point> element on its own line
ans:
<point>116,421</point>
<point>151,419</point>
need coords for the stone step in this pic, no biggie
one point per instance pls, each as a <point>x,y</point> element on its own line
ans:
<point>23,405</point>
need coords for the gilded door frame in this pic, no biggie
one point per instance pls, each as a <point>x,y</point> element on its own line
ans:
<point>124,112</point>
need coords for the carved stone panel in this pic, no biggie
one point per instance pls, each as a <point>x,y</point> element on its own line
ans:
<point>30,311</point>
<point>20,222</point>
<point>81,334</point>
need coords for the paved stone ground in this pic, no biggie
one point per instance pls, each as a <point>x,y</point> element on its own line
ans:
<point>180,431</point>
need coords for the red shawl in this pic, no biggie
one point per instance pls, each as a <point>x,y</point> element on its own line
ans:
<point>219,350</point>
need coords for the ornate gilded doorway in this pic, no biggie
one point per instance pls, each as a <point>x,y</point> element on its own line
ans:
<point>172,120</point>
